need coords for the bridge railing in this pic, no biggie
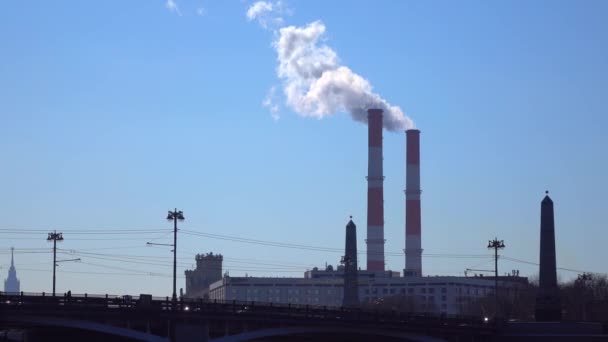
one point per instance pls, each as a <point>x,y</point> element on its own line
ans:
<point>191,306</point>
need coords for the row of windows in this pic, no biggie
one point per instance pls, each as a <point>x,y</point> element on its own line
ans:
<point>288,291</point>
<point>313,300</point>
<point>366,291</point>
<point>423,290</point>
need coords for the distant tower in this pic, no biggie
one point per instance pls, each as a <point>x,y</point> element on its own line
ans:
<point>375,193</point>
<point>351,287</point>
<point>208,270</point>
<point>413,219</point>
<point>548,304</point>
<point>11,284</point>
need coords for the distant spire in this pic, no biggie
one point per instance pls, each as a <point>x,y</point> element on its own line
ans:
<point>12,256</point>
<point>546,192</point>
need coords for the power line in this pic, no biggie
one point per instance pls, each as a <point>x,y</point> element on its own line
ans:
<point>559,268</point>
<point>139,260</point>
<point>314,248</point>
<point>85,231</point>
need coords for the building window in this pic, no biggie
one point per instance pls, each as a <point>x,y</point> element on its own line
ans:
<point>384,291</point>
<point>402,291</point>
<point>443,298</point>
<point>366,291</point>
<point>422,290</point>
<point>410,290</point>
<point>444,290</point>
<point>431,290</point>
<point>392,291</point>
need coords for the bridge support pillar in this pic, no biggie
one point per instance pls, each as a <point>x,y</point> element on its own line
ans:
<point>191,332</point>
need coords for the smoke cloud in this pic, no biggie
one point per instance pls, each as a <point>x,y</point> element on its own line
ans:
<point>267,13</point>
<point>315,84</point>
<point>172,6</point>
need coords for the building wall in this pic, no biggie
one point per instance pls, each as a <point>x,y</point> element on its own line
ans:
<point>448,295</point>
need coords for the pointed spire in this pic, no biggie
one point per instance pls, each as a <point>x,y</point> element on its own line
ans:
<point>547,199</point>
<point>12,256</point>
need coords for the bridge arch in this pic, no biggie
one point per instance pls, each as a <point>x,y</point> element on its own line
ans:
<point>287,331</point>
<point>85,325</point>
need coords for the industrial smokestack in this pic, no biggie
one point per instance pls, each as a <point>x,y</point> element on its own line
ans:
<point>375,193</point>
<point>413,221</point>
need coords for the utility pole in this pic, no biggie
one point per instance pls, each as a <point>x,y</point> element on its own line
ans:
<point>175,216</point>
<point>54,236</point>
<point>496,244</point>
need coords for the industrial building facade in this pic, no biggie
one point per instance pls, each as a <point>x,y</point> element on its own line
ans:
<point>440,294</point>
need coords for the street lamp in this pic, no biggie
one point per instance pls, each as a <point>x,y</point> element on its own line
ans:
<point>496,244</point>
<point>175,216</point>
<point>54,236</point>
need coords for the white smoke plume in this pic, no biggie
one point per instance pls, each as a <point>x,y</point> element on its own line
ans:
<point>267,13</point>
<point>172,6</point>
<point>316,85</point>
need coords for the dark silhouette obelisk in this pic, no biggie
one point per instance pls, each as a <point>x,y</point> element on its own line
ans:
<point>548,304</point>
<point>351,283</point>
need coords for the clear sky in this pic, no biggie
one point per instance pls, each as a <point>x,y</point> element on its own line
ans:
<point>113,112</point>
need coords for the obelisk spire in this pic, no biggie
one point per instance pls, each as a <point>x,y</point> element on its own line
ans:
<point>548,304</point>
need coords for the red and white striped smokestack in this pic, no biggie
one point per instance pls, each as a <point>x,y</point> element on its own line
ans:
<point>375,193</point>
<point>413,222</point>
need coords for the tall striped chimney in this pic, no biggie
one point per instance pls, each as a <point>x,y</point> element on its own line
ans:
<point>375,193</point>
<point>413,222</point>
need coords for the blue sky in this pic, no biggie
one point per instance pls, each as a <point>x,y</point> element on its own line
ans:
<point>114,112</point>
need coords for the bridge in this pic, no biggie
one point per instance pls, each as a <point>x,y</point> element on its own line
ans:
<point>146,318</point>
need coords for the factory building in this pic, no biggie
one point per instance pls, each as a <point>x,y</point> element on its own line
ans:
<point>440,294</point>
